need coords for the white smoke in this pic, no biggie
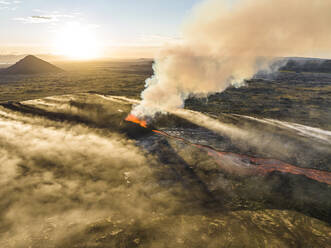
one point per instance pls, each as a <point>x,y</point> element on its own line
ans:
<point>225,43</point>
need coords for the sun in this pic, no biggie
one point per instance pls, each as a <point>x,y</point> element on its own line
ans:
<point>77,42</point>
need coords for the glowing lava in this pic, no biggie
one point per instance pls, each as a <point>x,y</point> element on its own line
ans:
<point>136,120</point>
<point>244,163</point>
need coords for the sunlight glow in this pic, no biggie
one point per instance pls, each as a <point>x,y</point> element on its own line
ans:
<point>77,42</point>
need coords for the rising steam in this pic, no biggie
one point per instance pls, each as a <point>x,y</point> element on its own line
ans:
<point>225,43</point>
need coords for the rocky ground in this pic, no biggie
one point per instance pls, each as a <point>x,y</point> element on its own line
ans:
<point>75,174</point>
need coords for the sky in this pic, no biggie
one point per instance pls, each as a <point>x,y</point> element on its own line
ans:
<point>42,25</point>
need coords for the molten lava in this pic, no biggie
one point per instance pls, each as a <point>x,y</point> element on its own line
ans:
<point>249,164</point>
<point>136,120</point>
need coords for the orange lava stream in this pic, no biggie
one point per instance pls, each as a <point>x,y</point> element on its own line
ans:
<point>258,165</point>
<point>136,120</point>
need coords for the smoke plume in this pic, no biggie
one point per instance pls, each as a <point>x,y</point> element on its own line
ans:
<point>226,42</point>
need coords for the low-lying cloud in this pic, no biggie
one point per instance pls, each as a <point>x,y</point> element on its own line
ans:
<point>66,177</point>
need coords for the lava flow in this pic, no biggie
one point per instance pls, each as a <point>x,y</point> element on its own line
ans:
<point>136,120</point>
<point>246,164</point>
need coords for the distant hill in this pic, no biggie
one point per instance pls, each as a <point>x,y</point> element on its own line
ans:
<point>31,65</point>
<point>307,65</point>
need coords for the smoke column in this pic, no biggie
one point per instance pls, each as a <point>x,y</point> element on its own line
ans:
<point>225,42</point>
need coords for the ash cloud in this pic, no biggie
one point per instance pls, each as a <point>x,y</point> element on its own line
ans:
<point>225,43</point>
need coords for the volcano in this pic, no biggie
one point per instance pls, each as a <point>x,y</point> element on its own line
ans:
<point>31,65</point>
